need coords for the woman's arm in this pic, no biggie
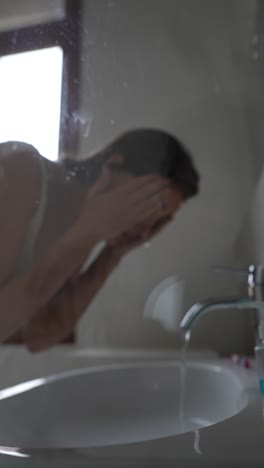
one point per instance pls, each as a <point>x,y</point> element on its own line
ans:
<point>59,318</point>
<point>23,296</point>
<point>104,216</point>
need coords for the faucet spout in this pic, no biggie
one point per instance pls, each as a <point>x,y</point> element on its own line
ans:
<point>199,309</point>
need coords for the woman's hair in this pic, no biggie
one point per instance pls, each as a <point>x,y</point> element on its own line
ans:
<point>143,152</point>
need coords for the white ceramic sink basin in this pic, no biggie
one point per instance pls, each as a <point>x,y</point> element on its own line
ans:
<point>117,405</point>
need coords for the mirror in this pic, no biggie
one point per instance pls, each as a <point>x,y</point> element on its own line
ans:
<point>74,76</point>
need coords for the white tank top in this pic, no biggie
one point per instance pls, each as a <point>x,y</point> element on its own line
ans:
<point>27,253</point>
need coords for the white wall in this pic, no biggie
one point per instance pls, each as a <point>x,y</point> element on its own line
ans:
<point>255,105</point>
<point>181,66</point>
<point>252,232</point>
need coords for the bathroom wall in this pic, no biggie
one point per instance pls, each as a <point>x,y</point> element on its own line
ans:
<point>182,66</point>
<point>251,234</point>
<point>255,106</point>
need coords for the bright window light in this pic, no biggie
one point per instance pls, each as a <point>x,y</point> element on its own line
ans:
<point>30,99</point>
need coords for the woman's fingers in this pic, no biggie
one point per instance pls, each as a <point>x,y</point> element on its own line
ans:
<point>107,214</point>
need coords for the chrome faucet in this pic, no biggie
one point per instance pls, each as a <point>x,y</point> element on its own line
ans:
<point>254,300</point>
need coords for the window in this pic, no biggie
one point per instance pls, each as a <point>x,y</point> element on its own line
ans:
<point>39,82</point>
<point>30,96</point>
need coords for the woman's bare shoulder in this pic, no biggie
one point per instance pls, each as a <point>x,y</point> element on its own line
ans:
<point>12,150</point>
<point>19,165</point>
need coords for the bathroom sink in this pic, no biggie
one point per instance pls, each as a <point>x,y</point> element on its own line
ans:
<point>118,404</point>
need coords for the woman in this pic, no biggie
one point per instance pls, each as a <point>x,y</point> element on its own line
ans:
<point>54,214</point>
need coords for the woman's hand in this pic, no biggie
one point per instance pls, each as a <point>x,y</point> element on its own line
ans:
<point>129,241</point>
<point>106,215</point>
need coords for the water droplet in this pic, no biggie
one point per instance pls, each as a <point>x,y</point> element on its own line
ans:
<point>156,387</point>
<point>72,173</point>
<point>187,336</point>
<point>84,121</point>
<point>111,4</point>
<point>217,88</point>
<point>83,59</point>
<point>105,44</point>
<point>125,84</point>
<point>68,178</point>
<point>196,444</point>
<point>112,122</point>
<point>14,146</point>
<point>255,40</point>
<point>75,81</point>
<point>255,55</point>
<point>147,245</point>
<point>88,126</point>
